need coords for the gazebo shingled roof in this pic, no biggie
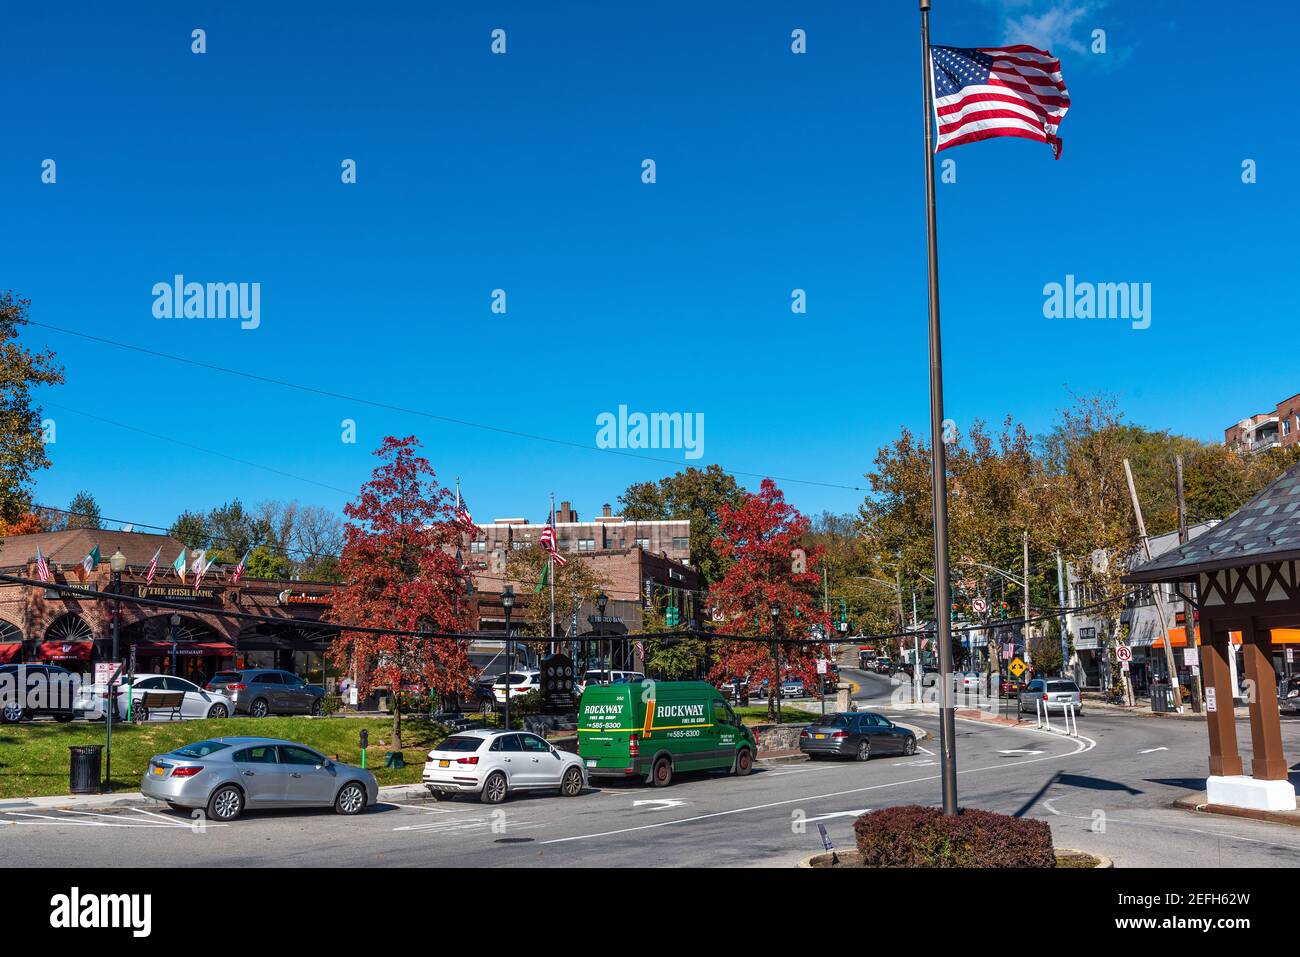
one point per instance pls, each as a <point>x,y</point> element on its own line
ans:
<point>1265,529</point>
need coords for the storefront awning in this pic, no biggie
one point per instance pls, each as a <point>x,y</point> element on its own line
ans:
<point>1280,636</point>
<point>65,650</point>
<point>10,651</point>
<point>157,649</point>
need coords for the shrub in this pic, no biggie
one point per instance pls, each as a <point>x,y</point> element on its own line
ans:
<point>914,836</point>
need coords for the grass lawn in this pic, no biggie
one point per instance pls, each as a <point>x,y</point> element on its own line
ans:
<point>34,755</point>
<point>757,714</point>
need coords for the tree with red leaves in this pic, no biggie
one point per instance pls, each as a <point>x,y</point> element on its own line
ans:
<point>400,572</point>
<point>767,564</point>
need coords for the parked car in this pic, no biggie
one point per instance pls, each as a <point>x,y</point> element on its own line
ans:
<point>520,682</point>
<point>968,681</point>
<point>1010,687</point>
<point>884,666</point>
<point>625,732</point>
<point>37,691</point>
<point>493,763</point>
<point>793,688</point>
<point>197,703</point>
<point>1055,693</point>
<point>855,734</point>
<point>1288,695</point>
<point>227,776</point>
<point>258,692</point>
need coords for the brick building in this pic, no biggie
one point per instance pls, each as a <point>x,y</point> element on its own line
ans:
<point>45,624</point>
<point>1279,428</point>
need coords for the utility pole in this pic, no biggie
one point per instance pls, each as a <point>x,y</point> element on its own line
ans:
<point>1189,614</point>
<point>1065,620</point>
<point>1157,593</point>
<point>1025,582</point>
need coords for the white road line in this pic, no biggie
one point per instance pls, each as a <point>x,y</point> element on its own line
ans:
<point>1082,747</point>
<point>1153,750</point>
<point>925,750</point>
<point>121,817</point>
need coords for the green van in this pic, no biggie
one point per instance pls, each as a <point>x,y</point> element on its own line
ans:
<point>655,728</point>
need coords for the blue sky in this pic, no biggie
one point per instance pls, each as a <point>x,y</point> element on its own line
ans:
<point>522,172</point>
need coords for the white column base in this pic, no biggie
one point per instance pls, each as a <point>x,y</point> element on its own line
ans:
<point>1241,790</point>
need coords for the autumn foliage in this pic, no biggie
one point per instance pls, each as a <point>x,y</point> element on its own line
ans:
<point>400,571</point>
<point>762,547</point>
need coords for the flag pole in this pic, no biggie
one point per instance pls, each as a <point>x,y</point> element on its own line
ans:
<point>938,464</point>
<point>551,560</point>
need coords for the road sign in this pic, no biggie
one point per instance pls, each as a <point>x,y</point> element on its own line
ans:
<point>980,606</point>
<point>821,666</point>
<point>1017,667</point>
<point>1123,653</point>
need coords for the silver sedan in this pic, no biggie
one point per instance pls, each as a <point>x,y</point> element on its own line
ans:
<point>224,776</point>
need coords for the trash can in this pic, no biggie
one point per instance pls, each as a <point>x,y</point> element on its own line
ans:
<point>84,770</point>
<point>1160,697</point>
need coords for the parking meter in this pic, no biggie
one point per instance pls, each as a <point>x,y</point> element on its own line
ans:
<point>365,743</point>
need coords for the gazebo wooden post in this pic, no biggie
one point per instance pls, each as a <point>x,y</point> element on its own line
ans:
<point>1268,761</point>
<point>1225,759</point>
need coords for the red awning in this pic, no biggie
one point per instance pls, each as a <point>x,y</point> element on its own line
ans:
<point>65,650</point>
<point>10,651</point>
<point>157,649</point>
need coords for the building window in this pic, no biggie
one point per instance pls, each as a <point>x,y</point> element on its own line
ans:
<point>586,544</point>
<point>681,544</point>
<point>644,543</point>
<point>1087,634</point>
<point>519,545</point>
<point>563,545</point>
<point>478,546</point>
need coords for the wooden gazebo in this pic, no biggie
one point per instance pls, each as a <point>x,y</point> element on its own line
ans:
<point>1244,577</point>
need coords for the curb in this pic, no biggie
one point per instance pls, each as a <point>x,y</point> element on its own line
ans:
<point>1196,804</point>
<point>391,793</point>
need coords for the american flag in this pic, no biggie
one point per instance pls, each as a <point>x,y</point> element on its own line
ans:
<point>997,91</point>
<point>547,541</point>
<point>153,566</point>
<point>239,570</point>
<point>42,569</point>
<point>463,517</point>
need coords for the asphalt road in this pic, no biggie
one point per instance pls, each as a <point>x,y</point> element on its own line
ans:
<point>1107,791</point>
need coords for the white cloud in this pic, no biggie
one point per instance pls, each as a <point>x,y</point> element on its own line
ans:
<point>1046,24</point>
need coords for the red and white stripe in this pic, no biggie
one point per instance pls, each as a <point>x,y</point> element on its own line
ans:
<point>547,542</point>
<point>1025,96</point>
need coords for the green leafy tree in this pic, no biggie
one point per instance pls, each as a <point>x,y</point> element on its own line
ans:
<point>694,494</point>
<point>191,529</point>
<point>263,563</point>
<point>83,512</point>
<point>22,446</point>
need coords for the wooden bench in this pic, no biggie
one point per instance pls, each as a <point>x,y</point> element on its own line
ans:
<point>152,701</point>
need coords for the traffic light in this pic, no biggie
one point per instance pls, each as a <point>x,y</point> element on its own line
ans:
<point>1004,611</point>
<point>844,610</point>
<point>954,611</point>
<point>671,616</point>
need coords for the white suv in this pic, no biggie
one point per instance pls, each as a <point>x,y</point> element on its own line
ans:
<point>491,763</point>
<point>521,682</point>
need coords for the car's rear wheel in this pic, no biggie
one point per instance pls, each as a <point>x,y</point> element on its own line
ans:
<point>571,783</point>
<point>909,746</point>
<point>259,708</point>
<point>744,762</point>
<point>316,708</point>
<point>864,750</point>
<point>226,803</point>
<point>351,799</point>
<point>11,714</point>
<point>218,711</point>
<point>661,775</point>
<point>494,789</point>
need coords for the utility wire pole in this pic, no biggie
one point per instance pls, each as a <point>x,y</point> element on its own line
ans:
<point>1157,593</point>
<point>1189,614</point>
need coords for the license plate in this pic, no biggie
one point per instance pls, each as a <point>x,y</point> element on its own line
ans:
<point>591,763</point>
<point>819,737</point>
<point>444,764</point>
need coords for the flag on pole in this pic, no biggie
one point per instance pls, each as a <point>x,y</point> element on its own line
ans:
<point>42,569</point>
<point>88,563</point>
<point>153,566</point>
<point>238,573</point>
<point>463,518</point>
<point>201,566</point>
<point>984,92</point>
<point>545,579</point>
<point>178,566</point>
<point>547,541</point>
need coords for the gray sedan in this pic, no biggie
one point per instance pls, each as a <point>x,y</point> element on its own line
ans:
<point>226,775</point>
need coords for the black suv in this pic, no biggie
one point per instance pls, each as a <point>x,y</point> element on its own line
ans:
<point>34,691</point>
<point>258,692</point>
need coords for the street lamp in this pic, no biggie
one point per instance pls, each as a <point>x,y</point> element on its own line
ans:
<point>175,622</point>
<point>118,564</point>
<point>775,611</point>
<point>508,603</point>
<point>602,600</point>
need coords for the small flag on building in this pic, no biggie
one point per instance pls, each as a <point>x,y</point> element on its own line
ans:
<point>88,564</point>
<point>42,569</point>
<point>153,566</point>
<point>201,566</point>
<point>985,92</point>
<point>178,566</point>
<point>238,573</point>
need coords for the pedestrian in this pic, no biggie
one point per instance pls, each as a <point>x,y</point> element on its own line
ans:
<point>343,686</point>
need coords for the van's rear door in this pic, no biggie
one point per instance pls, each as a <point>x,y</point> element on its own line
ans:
<point>606,719</point>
